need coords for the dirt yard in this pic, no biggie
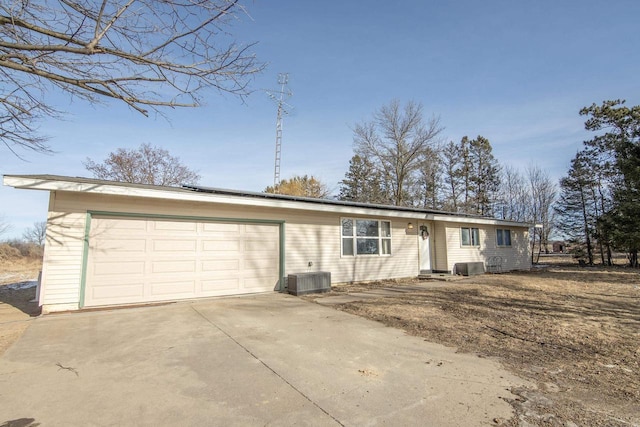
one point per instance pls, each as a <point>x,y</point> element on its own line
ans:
<point>17,278</point>
<point>575,332</point>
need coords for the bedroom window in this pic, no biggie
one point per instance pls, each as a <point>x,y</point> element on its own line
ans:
<point>469,236</point>
<point>503,237</point>
<point>365,237</point>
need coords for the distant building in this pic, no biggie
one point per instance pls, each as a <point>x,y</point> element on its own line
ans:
<point>559,247</point>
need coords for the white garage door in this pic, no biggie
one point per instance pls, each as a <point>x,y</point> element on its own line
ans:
<point>133,260</point>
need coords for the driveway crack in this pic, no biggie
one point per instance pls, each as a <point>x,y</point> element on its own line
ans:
<point>267,366</point>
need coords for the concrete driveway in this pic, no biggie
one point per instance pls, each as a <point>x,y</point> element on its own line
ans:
<point>269,359</point>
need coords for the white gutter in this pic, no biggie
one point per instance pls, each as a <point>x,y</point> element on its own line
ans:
<point>487,221</point>
<point>26,183</point>
<point>178,194</point>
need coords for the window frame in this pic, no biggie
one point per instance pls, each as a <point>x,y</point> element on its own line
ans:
<point>383,241</point>
<point>474,237</point>
<point>500,235</point>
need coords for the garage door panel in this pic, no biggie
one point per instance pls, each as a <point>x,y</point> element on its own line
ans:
<point>119,268</point>
<point>168,266</point>
<point>221,265</point>
<point>187,287</point>
<point>107,291</point>
<point>122,245</point>
<point>221,228</point>
<point>134,260</point>
<point>174,245</point>
<point>221,245</point>
<point>220,286</point>
<point>258,283</point>
<point>174,226</point>
<point>121,225</point>
<point>261,229</point>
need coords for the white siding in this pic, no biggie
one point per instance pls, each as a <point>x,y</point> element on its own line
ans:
<point>515,257</point>
<point>62,263</point>
<point>309,237</point>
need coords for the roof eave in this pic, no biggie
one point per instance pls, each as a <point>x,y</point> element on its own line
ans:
<point>85,185</point>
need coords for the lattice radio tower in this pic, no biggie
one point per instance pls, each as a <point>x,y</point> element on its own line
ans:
<point>280,97</point>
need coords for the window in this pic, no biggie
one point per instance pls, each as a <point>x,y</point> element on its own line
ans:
<point>365,237</point>
<point>503,237</point>
<point>470,236</point>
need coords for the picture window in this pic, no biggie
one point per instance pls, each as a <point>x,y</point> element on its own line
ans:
<point>365,237</point>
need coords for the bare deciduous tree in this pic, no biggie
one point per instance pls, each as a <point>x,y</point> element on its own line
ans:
<point>36,234</point>
<point>145,165</point>
<point>395,142</point>
<point>4,225</point>
<point>543,197</point>
<point>145,53</point>
<point>514,199</point>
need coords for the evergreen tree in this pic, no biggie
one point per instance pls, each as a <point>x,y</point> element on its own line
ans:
<point>479,176</point>
<point>451,176</point>
<point>620,146</point>
<point>574,207</point>
<point>362,183</point>
<point>466,175</point>
<point>484,179</point>
<point>430,179</point>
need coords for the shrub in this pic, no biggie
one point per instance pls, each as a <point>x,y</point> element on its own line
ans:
<point>18,248</point>
<point>8,252</point>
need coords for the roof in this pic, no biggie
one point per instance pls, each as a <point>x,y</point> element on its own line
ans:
<point>220,195</point>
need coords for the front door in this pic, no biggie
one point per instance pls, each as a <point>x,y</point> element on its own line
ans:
<point>424,239</point>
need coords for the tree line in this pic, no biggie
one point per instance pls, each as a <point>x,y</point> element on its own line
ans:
<point>401,159</point>
<point>599,203</point>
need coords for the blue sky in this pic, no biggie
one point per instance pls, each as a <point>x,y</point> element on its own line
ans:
<point>514,72</point>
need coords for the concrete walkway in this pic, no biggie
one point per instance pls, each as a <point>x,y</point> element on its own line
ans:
<point>270,359</point>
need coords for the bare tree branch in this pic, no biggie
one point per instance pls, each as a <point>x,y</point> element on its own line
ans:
<point>144,165</point>
<point>395,141</point>
<point>145,53</point>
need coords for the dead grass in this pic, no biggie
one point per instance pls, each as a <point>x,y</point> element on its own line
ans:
<point>575,332</point>
<point>19,269</point>
<point>16,307</point>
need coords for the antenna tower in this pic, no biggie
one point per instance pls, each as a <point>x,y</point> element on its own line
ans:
<point>280,97</point>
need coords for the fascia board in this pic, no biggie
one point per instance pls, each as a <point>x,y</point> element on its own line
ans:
<point>185,195</point>
<point>484,221</point>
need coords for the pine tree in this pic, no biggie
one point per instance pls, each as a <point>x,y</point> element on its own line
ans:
<point>574,206</point>
<point>620,145</point>
<point>430,179</point>
<point>362,183</point>
<point>451,176</point>
<point>485,176</point>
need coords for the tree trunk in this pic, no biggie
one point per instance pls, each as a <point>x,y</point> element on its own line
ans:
<point>585,218</point>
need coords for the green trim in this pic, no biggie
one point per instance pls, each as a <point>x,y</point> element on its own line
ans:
<point>187,217</point>
<point>85,256</point>
<point>90,214</point>
<point>282,242</point>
